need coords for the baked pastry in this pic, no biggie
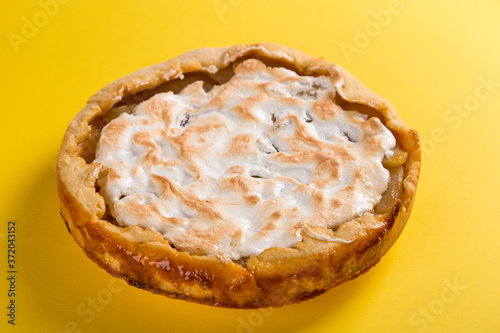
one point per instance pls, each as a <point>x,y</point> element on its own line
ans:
<point>245,177</point>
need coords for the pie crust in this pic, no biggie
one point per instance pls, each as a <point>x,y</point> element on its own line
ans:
<point>278,275</point>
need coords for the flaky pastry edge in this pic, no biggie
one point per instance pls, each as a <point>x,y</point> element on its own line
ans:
<point>277,276</point>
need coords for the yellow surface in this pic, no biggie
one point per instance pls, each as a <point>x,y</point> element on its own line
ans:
<point>432,59</point>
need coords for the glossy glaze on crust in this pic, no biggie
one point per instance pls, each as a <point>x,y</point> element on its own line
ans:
<point>275,277</point>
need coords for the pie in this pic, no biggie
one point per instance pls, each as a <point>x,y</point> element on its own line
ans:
<point>244,177</point>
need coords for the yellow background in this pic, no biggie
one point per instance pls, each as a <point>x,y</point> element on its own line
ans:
<point>426,57</point>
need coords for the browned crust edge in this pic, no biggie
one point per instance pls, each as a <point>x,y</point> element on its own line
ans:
<point>274,278</point>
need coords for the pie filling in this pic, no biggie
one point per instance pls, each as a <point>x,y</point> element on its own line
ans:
<point>248,164</point>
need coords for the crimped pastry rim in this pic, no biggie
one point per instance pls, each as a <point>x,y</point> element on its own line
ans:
<point>277,276</point>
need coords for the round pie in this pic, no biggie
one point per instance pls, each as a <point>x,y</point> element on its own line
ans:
<point>244,177</point>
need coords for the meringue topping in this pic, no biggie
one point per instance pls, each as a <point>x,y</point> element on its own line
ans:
<point>253,163</point>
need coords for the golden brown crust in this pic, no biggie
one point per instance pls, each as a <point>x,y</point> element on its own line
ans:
<point>275,277</point>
